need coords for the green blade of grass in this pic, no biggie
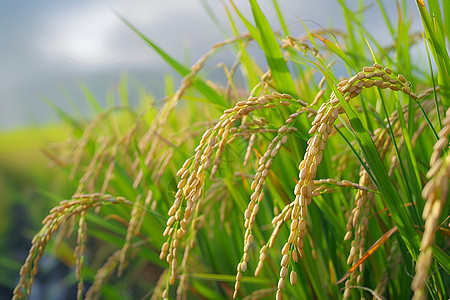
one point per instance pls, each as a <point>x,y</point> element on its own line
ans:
<point>413,168</point>
<point>250,68</point>
<point>93,102</point>
<point>435,11</point>
<point>446,12</point>
<point>280,17</point>
<point>123,90</point>
<point>433,83</point>
<point>350,20</point>
<point>268,42</point>
<point>65,117</point>
<point>246,59</point>
<point>438,47</point>
<point>336,50</point>
<point>197,83</point>
<point>442,258</point>
<point>251,28</point>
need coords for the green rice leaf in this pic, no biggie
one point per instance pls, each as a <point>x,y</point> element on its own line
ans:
<point>438,47</point>
<point>98,109</point>
<point>280,17</point>
<point>197,83</point>
<point>251,28</point>
<point>442,258</point>
<point>249,67</point>
<point>268,42</point>
<point>336,50</point>
<point>65,117</point>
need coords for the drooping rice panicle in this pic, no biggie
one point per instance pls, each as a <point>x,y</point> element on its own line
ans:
<point>321,127</point>
<point>209,156</point>
<point>436,193</point>
<point>78,205</point>
<point>264,165</point>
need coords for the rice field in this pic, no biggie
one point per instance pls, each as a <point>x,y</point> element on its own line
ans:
<point>321,174</point>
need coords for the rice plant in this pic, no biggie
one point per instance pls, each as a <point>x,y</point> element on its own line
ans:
<point>306,182</point>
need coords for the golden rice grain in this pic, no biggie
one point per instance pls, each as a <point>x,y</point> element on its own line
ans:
<point>436,193</point>
<point>58,216</point>
<point>378,66</point>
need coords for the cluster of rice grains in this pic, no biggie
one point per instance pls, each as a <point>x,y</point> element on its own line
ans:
<point>183,214</point>
<point>209,154</point>
<point>436,193</point>
<point>65,212</point>
<point>321,128</point>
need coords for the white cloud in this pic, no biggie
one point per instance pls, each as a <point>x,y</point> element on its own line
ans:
<point>82,36</point>
<point>90,36</point>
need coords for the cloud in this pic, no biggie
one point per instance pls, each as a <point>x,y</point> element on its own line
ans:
<point>90,36</point>
<point>82,36</point>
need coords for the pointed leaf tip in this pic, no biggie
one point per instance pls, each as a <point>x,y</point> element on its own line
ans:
<point>335,49</point>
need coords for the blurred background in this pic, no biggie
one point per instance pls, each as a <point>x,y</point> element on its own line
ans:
<point>50,48</point>
<point>57,52</point>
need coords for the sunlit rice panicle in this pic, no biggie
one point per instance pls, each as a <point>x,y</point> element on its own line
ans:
<point>78,151</point>
<point>162,163</point>
<point>357,245</point>
<point>208,155</point>
<point>318,96</point>
<point>78,205</point>
<point>435,192</point>
<point>264,165</point>
<point>321,127</point>
<point>277,222</point>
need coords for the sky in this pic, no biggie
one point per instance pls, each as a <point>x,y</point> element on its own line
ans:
<point>49,48</point>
